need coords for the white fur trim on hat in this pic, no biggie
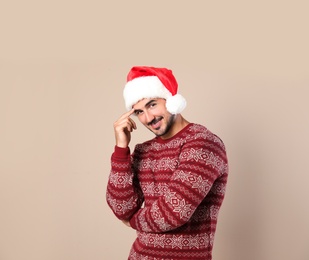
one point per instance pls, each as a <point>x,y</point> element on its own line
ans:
<point>144,87</point>
<point>151,87</point>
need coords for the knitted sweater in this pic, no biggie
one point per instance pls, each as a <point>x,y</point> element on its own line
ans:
<point>171,191</point>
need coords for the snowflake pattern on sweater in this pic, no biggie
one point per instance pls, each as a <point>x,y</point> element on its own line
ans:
<point>171,191</point>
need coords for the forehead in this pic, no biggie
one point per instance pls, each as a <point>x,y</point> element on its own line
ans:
<point>144,102</point>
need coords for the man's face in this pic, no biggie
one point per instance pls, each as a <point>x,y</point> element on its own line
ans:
<point>153,114</point>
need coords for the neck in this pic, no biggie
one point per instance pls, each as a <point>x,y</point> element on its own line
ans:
<point>178,125</point>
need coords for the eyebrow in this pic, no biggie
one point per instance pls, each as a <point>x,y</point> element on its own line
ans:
<point>149,102</point>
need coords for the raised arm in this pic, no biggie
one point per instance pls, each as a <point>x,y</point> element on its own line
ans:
<point>123,194</point>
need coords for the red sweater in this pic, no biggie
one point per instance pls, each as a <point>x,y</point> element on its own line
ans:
<point>171,191</point>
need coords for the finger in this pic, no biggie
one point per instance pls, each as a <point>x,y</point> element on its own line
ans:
<point>127,114</point>
<point>133,123</point>
<point>126,123</point>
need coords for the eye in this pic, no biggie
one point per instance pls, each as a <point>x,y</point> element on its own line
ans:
<point>137,112</point>
<point>153,105</point>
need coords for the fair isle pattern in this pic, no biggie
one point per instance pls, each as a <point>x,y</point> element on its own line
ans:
<point>121,206</point>
<point>139,253</point>
<point>158,217</point>
<point>196,181</point>
<point>172,191</point>
<point>174,241</point>
<point>153,189</point>
<point>160,164</point>
<point>120,180</point>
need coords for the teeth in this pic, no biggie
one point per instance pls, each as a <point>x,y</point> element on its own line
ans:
<point>155,121</point>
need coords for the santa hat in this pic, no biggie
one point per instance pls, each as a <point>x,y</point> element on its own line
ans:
<point>150,82</point>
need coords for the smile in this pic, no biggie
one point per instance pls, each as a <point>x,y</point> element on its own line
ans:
<point>156,123</point>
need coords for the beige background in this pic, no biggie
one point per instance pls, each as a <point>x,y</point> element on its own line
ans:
<point>243,67</point>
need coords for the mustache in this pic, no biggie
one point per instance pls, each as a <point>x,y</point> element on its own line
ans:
<point>155,120</point>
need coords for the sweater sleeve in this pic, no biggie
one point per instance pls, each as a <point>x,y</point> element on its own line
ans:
<point>123,194</point>
<point>201,164</point>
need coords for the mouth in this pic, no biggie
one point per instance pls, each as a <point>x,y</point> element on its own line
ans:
<point>156,123</point>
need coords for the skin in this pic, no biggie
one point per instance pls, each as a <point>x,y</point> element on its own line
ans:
<point>152,113</point>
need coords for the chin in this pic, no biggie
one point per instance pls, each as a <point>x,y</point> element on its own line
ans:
<point>161,133</point>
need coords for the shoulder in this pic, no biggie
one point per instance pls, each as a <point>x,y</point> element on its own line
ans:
<point>198,132</point>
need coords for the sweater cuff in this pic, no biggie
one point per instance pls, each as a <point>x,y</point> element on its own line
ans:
<point>121,153</point>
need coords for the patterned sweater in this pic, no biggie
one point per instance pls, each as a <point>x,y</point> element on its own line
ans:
<point>171,191</point>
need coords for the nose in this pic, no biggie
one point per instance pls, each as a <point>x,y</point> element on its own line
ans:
<point>148,117</point>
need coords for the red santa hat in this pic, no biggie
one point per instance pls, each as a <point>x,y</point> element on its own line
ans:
<point>150,82</point>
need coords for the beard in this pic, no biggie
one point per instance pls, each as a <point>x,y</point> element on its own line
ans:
<point>163,131</point>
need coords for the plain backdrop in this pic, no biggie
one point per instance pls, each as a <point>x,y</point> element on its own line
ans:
<point>243,68</point>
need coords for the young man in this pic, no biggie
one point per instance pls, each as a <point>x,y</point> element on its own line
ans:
<point>170,189</point>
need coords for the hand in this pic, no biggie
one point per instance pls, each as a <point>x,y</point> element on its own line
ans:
<point>126,222</point>
<point>123,128</point>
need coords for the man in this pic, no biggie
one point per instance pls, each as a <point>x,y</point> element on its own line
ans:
<point>170,189</point>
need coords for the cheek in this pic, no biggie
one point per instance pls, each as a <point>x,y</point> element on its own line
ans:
<point>142,118</point>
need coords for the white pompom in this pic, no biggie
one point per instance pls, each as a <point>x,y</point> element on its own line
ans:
<point>176,104</point>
